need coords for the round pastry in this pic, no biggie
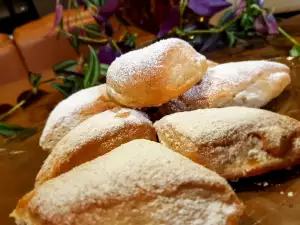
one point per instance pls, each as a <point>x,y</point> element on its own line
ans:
<point>72,111</point>
<point>94,137</point>
<point>249,83</point>
<point>234,141</point>
<point>141,182</point>
<point>155,74</point>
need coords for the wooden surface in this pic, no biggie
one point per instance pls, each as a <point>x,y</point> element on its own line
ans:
<point>273,199</point>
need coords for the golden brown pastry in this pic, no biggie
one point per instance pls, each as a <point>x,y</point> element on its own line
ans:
<point>249,83</point>
<point>156,74</point>
<point>94,137</point>
<point>141,182</point>
<point>72,111</point>
<point>234,141</point>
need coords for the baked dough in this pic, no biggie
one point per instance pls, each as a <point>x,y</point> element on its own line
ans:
<point>141,182</point>
<point>156,74</point>
<point>72,111</point>
<point>249,83</point>
<point>94,137</point>
<point>234,141</point>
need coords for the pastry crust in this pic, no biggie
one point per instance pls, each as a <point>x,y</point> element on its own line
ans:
<point>72,111</point>
<point>141,182</point>
<point>156,74</point>
<point>249,83</point>
<point>94,137</point>
<point>234,141</point>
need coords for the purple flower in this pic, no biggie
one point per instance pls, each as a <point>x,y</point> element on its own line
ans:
<point>266,24</point>
<point>107,54</point>
<point>241,7</point>
<point>106,11</point>
<point>59,13</point>
<point>81,2</point>
<point>172,20</point>
<point>208,7</point>
<point>260,2</point>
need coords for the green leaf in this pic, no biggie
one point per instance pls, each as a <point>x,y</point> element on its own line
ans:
<point>62,89</point>
<point>92,75</point>
<point>11,130</point>
<point>121,20</point>
<point>225,18</point>
<point>247,21</point>
<point>75,42</point>
<point>66,65</point>
<point>130,41</point>
<point>295,51</point>
<point>103,69</point>
<point>183,4</point>
<point>93,30</point>
<point>232,38</point>
<point>96,2</point>
<point>34,79</point>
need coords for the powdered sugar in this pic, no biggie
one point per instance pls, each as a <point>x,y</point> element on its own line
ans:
<point>95,128</point>
<point>144,62</point>
<point>236,76</point>
<point>249,83</point>
<point>67,114</point>
<point>139,168</point>
<point>206,126</point>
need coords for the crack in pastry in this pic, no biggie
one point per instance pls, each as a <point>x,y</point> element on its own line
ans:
<point>155,74</point>
<point>141,182</point>
<point>249,83</point>
<point>234,141</point>
<point>72,111</point>
<point>95,137</point>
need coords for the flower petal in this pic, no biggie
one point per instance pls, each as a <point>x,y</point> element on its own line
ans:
<point>59,13</point>
<point>108,8</point>
<point>260,3</point>
<point>271,24</point>
<point>260,25</point>
<point>208,7</point>
<point>172,20</point>
<point>107,55</point>
<point>240,9</point>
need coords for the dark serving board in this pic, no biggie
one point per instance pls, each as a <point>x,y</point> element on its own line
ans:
<point>272,199</point>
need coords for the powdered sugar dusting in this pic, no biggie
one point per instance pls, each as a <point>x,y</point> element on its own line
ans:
<point>139,168</point>
<point>94,128</point>
<point>254,82</point>
<point>144,62</point>
<point>232,78</point>
<point>67,112</point>
<point>205,126</point>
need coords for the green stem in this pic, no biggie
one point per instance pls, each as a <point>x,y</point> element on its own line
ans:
<point>212,30</point>
<point>3,116</point>
<point>70,4</point>
<point>289,37</point>
<point>90,31</point>
<point>183,4</point>
<point>96,41</point>
<point>114,43</point>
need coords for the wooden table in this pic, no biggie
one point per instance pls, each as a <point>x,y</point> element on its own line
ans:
<point>273,199</point>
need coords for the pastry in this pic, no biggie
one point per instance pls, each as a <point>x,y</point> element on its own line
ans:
<point>94,137</point>
<point>141,182</point>
<point>234,141</point>
<point>72,111</point>
<point>249,83</point>
<point>155,74</point>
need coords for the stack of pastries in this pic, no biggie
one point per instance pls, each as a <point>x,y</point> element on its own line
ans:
<point>106,166</point>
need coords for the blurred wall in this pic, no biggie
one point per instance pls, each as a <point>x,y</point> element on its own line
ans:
<point>45,7</point>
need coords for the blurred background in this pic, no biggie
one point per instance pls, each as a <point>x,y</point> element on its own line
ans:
<point>14,13</point>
